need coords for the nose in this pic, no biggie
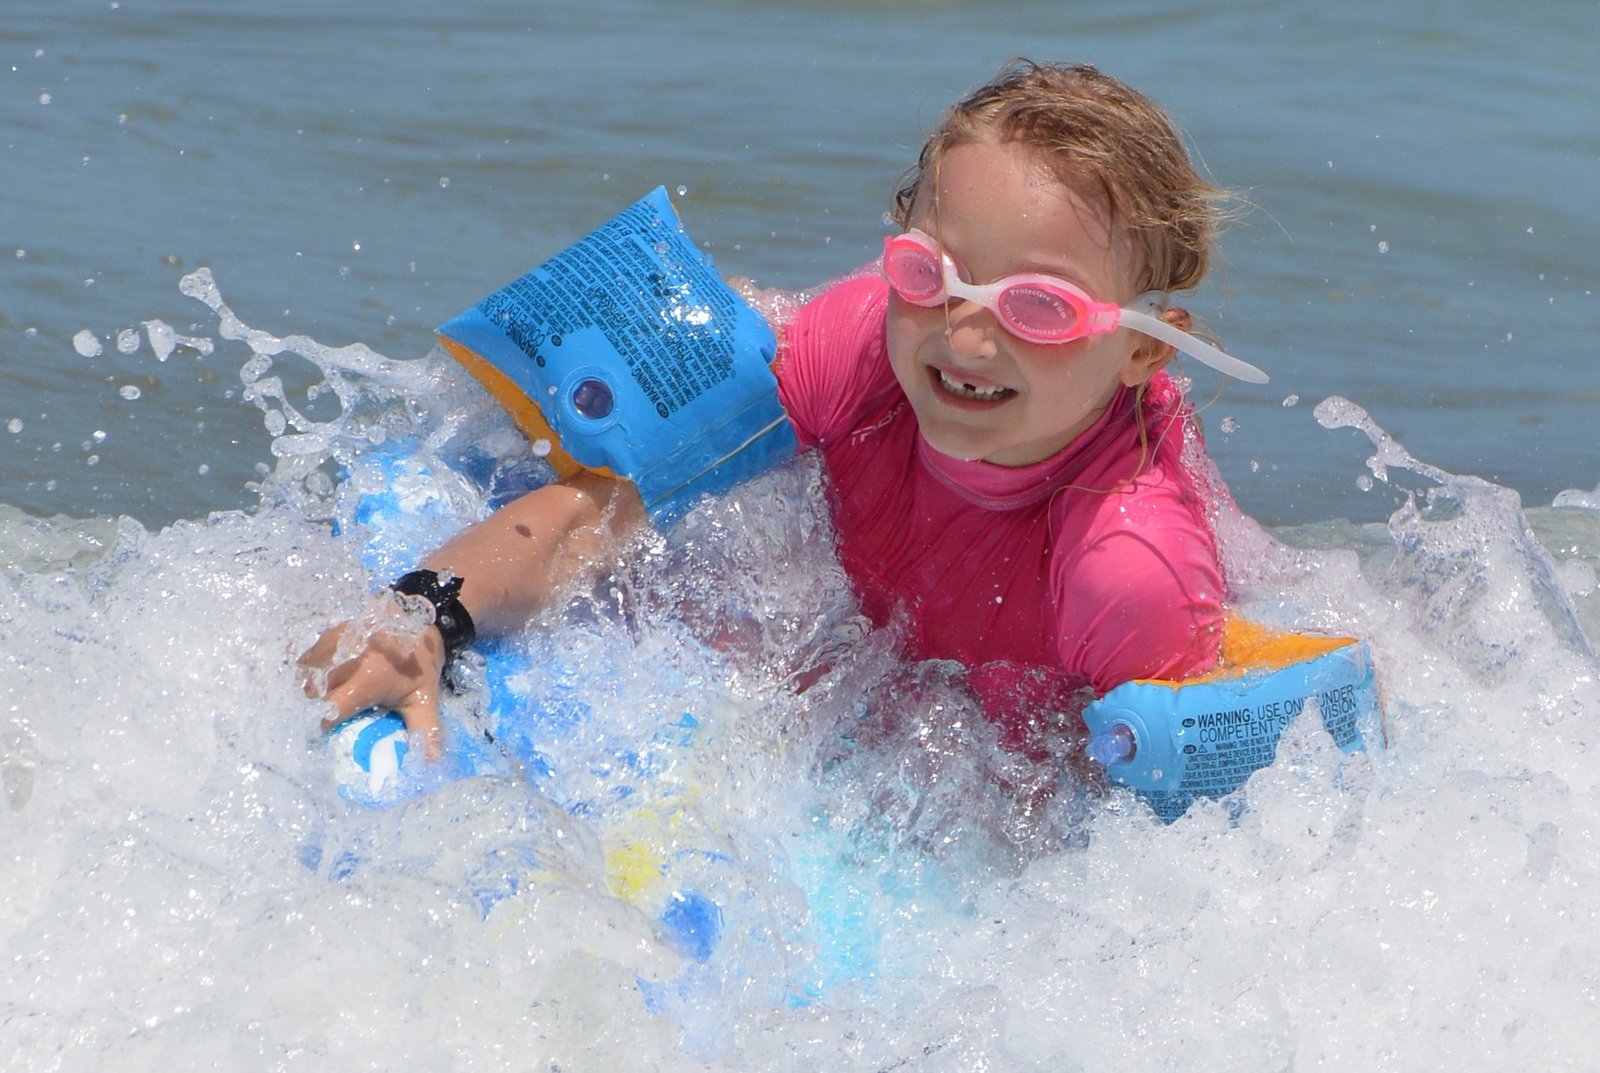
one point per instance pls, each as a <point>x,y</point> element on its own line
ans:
<point>972,330</point>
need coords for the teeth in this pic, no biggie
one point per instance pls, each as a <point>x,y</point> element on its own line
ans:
<point>971,391</point>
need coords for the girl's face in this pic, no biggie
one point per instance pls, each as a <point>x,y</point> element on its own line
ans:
<point>978,391</point>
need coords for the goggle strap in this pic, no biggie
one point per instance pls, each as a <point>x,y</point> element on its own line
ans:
<point>1204,352</point>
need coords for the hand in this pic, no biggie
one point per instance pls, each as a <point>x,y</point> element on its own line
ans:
<point>375,664</point>
<point>511,562</point>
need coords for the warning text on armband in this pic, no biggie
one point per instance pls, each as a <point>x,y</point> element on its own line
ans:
<point>1220,729</point>
<point>666,314</point>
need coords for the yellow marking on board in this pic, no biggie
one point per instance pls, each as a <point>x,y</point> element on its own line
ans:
<point>633,869</point>
<point>637,864</point>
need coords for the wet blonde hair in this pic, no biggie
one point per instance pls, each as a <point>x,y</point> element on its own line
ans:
<point>1102,139</point>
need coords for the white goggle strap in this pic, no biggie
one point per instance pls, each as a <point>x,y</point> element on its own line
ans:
<point>1156,328</point>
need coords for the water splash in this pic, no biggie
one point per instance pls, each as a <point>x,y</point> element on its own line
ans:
<point>185,888</point>
<point>1463,545</point>
<point>377,399</point>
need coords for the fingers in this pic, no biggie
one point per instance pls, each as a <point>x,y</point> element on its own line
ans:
<point>394,671</point>
<point>313,663</point>
<point>419,708</point>
<point>422,721</point>
<point>358,692</point>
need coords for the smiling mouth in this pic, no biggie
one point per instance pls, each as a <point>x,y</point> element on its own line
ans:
<point>962,390</point>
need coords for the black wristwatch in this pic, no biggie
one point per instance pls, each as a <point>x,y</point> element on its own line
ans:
<point>449,613</point>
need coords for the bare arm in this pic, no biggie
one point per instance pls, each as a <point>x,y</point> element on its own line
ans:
<point>514,560</point>
<point>511,564</point>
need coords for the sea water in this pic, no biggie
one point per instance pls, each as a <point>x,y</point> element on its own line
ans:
<point>184,886</point>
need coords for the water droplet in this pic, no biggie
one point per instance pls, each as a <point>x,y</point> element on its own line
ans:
<point>1255,467</point>
<point>130,392</point>
<point>1228,424</point>
<point>683,191</point>
<point>86,344</point>
<point>1383,246</point>
<point>127,340</point>
<point>44,98</point>
<point>99,435</point>
<point>21,254</point>
<point>541,448</point>
<point>92,460</point>
<point>444,182</point>
<point>1290,400</point>
<point>356,246</point>
<point>14,426</point>
<point>1364,483</point>
<point>203,469</point>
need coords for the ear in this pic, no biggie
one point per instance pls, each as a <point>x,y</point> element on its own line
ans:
<point>1153,355</point>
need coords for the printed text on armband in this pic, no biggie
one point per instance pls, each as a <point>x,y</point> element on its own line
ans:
<point>1338,703</point>
<point>1237,724</point>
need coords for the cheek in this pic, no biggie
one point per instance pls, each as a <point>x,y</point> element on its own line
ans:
<point>1074,376</point>
<point>905,331</point>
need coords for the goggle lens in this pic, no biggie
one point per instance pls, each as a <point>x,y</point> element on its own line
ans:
<point>914,272</point>
<point>1038,313</point>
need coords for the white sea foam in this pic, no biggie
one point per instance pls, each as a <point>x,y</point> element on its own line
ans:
<point>185,889</point>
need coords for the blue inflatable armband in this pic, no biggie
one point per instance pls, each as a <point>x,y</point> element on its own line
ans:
<point>632,358</point>
<point>1176,741</point>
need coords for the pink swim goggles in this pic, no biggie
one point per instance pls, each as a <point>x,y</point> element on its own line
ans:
<point>1037,308</point>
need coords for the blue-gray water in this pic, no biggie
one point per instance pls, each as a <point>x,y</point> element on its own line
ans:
<point>181,887</point>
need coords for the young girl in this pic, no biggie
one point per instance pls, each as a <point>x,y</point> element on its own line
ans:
<point>1011,472</point>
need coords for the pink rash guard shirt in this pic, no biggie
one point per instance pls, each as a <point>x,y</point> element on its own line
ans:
<point>1041,579</point>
